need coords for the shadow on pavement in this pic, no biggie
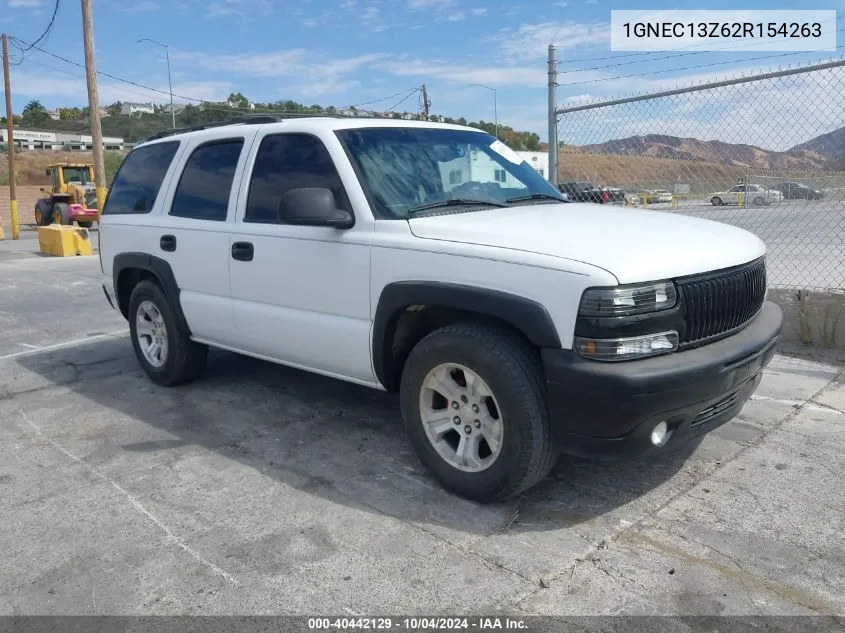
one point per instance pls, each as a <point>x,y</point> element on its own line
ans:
<point>342,442</point>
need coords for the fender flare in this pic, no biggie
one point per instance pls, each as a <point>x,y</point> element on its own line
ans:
<point>526,315</point>
<point>162,271</point>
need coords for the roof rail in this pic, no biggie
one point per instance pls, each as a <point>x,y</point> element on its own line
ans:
<point>249,119</point>
<point>246,119</point>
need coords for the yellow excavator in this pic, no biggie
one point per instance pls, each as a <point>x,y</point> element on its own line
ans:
<point>71,198</point>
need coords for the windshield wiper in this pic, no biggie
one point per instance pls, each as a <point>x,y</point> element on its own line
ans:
<point>454,202</point>
<point>536,196</point>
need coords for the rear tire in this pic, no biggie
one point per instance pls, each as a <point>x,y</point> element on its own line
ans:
<point>166,353</point>
<point>759,202</point>
<point>511,410</point>
<point>85,225</point>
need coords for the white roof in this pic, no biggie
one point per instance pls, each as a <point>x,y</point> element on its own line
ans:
<point>313,124</point>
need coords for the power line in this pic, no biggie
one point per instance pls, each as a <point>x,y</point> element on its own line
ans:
<point>696,67</point>
<point>40,38</point>
<point>357,105</point>
<point>403,99</point>
<point>110,76</point>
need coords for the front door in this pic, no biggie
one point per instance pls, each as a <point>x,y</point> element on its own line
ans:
<point>301,293</point>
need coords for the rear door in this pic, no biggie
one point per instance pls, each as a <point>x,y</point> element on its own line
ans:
<point>193,235</point>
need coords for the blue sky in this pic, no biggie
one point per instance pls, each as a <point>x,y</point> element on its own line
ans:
<point>347,52</point>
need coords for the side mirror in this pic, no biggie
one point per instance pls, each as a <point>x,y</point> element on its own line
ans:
<point>313,207</point>
<point>42,190</point>
<point>48,172</point>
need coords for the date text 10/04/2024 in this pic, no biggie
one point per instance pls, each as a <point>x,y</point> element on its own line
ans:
<point>793,30</point>
<point>416,623</point>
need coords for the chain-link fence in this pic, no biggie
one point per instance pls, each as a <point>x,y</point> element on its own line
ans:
<point>764,153</point>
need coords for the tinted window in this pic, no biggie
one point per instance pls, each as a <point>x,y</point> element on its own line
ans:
<point>206,182</point>
<point>285,162</point>
<point>137,182</point>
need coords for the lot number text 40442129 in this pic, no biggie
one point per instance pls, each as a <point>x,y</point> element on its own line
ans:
<point>417,623</point>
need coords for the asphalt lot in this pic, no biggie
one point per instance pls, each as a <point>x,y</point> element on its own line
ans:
<point>805,238</point>
<point>263,490</point>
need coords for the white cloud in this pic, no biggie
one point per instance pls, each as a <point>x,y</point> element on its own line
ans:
<point>492,75</point>
<point>242,8</point>
<point>144,5</point>
<point>456,17</point>
<point>479,11</point>
<point>24,4</point>
<point>531,41</point>
<point>310,23</point>
<point>416,5</point>
<point>73,90</point>
<point>320,89</point>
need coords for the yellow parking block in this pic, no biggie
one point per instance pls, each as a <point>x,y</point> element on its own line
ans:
<point>64,241</point>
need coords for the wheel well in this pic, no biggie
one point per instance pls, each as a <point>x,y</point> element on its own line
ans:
<point>126,282</point>
<point>409,325</point>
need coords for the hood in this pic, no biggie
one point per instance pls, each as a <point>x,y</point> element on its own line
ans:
<point>633,245</point>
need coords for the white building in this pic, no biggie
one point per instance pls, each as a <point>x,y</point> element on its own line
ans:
<point>478,167</point>
<point>538,160</point>
<point>133,109</point>
<point>32,140</point>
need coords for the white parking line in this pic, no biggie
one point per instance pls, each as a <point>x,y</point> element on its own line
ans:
<point>78,341</point>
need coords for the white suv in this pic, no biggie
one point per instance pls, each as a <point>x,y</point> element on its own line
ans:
<point>430,260</point>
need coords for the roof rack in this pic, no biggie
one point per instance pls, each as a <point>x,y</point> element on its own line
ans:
<point>246,119</point>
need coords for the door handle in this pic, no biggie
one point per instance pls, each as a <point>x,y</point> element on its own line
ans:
<point>242,251</point>
<point>167,243</point>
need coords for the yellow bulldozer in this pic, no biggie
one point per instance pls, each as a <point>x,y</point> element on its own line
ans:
<point>71,198</point>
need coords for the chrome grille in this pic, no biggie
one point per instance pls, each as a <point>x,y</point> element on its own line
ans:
<point>723,301</point>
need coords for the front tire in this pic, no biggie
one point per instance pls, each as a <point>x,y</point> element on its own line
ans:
<point>490,381</point>
<point>60,215</point>
<point>716,201</point>
<point>166,354</point>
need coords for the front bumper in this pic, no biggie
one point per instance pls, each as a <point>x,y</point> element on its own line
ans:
<point>601,409</point>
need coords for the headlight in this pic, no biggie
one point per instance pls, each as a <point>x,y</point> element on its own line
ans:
<point>626,348</point>
<point>628,300</point>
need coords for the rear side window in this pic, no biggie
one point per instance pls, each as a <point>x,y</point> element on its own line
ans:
<point>206,182</point>
<point>137,182</point>
<point>285,162</point>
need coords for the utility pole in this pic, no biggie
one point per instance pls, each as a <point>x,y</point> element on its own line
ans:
<point>94,106</point>
<point>425,103</point>
<point>553,149</point>
<point>10,146</point>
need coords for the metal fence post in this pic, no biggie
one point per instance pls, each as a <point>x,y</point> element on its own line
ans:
<point>553,148</point>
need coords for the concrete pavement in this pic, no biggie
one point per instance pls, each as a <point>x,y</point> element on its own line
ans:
<point>264,490</point>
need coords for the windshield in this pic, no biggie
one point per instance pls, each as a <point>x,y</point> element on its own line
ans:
<point>76,174</point>
<point>404,169</point>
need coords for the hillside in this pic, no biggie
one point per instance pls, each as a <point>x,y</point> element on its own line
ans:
<point>830,146</point>
<point>825,152</point>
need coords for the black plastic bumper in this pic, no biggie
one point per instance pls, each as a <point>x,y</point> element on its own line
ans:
<point>608,410</point>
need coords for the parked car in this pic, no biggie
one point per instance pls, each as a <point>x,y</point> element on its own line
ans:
<point>753,195</point>
<point>583,191</point>
<point>660,196</point>
<point>615,195</point>
<point>798,191</point>
<point>513,325</point>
